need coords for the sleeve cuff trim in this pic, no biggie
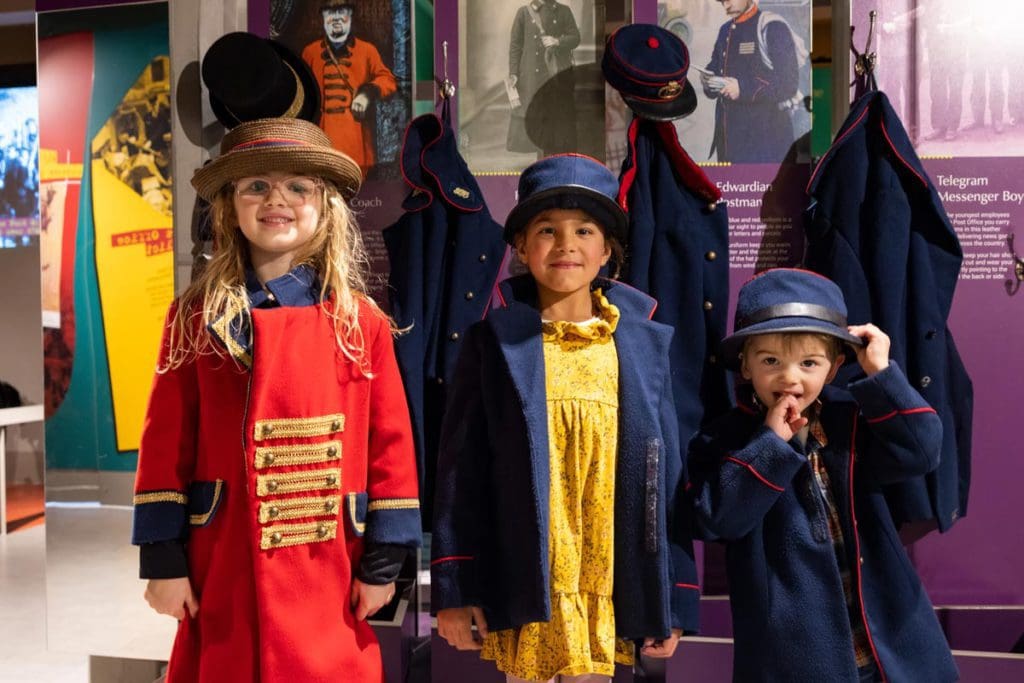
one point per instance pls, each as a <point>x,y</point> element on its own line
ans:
<point>394,504</point>
<point>756,474</point>
<point>909,411</point>
<point>160,497</point>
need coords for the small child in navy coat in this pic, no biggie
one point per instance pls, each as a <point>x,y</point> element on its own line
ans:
<point>791,479</point>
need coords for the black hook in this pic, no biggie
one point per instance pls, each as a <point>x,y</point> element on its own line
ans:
<point>1018,268</point>
<point>865,62</point>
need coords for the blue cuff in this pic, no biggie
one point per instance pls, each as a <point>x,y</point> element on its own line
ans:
<point>394,521</point>
<point>158,520</point>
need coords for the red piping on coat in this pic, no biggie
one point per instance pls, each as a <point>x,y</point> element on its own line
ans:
<point>688,585</point>
<point>910,411</point>
<point>755,473</point>
<point>452,558</point>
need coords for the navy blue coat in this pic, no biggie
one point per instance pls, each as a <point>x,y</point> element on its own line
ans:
<point>876,226</point>
<point>678,252</point>
<point>490,542</point>
<point>756,127</point>
<point>757,492</point>
<point>445,255</point>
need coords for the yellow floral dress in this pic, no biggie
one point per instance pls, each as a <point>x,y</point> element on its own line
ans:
<point>582,380</point>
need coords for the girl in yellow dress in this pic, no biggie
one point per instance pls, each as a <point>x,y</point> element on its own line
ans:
<point>559,461</point>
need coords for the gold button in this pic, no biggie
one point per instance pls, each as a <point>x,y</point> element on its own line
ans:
<point>330,505</point>
<point>332,451</point>
<point>335,425</point>
<point>272,485</point>
<point>332,479</point>
<point>440,380</point>
<point>321,530</point>
<point>862,559</point>
<point>711,256</point>
<point>454,336</point>
<point>469,296</point>
<point>274,511</point>
<point>268,459</point>
<point>268,430</point>
<point>708,305</point>
<point>483,258</point>
<point>275,537</point>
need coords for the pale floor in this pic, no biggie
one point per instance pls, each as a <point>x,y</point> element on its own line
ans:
<point>23,654</point>
<point>84,597</point>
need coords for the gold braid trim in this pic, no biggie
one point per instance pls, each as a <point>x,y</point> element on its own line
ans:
<point>284,535</point>
<point>160,497</point>
<point>394,504</point>
<point>222,328</point>
<point>360,527</point>
<point>294,508</point>
<point>301,454</point>
<point>293,482</point>
<point>200,520</point>
<point>286,427</point>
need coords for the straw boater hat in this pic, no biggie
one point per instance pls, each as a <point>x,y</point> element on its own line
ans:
<point>282,144</point>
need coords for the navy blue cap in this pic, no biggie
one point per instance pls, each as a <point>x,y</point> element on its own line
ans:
<point>648,66</point>
<point>568,181</point>
<point>787,300</point>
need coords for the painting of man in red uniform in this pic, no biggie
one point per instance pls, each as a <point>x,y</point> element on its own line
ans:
<point>358,53</point>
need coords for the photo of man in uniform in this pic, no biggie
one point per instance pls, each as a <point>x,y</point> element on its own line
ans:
<point>544,35</point>
<point>352,78</point>
<point>754,76</point>
<point>530,82</point>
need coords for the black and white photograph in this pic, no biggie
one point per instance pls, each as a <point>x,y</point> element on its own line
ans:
<point>750,65</point>
<point>530,81</point>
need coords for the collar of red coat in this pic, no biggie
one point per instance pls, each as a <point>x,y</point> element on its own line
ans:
<point>233,329</point>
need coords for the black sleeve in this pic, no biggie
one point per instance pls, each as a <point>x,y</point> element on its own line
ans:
<point>381,563</point>
<point>163,560</point>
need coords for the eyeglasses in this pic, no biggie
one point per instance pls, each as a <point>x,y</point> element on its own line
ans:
<point>296,191</point>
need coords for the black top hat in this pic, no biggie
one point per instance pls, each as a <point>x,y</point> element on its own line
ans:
<point>253,78</point>
<point>648,66</point>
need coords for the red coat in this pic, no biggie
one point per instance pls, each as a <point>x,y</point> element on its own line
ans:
<point>282,469</point>
<point>356,68</point>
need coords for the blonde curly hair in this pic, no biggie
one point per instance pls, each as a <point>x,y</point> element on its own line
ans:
<point>335,252</point>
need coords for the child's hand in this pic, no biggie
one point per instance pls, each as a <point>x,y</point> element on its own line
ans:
<point>874,355</point>
<point>454,625</point>
<point>172,597</point>
<point>367,598</point>
<point>662,649</point>
<point>784,418</point>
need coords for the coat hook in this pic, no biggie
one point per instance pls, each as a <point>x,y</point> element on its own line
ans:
<point>1018,268</point>
<point>445,87</point>
<point>866,61</point>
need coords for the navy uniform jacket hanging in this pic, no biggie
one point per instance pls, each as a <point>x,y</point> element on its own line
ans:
<point>445,254</point>
<point>678,253</point>
<point>877,227</point>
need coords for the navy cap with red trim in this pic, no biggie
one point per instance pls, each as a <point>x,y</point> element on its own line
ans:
<point>648,66</point>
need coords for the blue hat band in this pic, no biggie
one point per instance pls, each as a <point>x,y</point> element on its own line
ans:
<point>793,310</point>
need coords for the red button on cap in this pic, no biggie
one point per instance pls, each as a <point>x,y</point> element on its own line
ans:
<point>652,42</point>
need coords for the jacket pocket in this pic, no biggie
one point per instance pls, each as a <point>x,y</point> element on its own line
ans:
<point>203,500</point>
<point>652,455</point>
<point>355,512</point>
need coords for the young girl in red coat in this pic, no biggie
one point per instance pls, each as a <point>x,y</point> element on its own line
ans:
<point>276,493</point>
